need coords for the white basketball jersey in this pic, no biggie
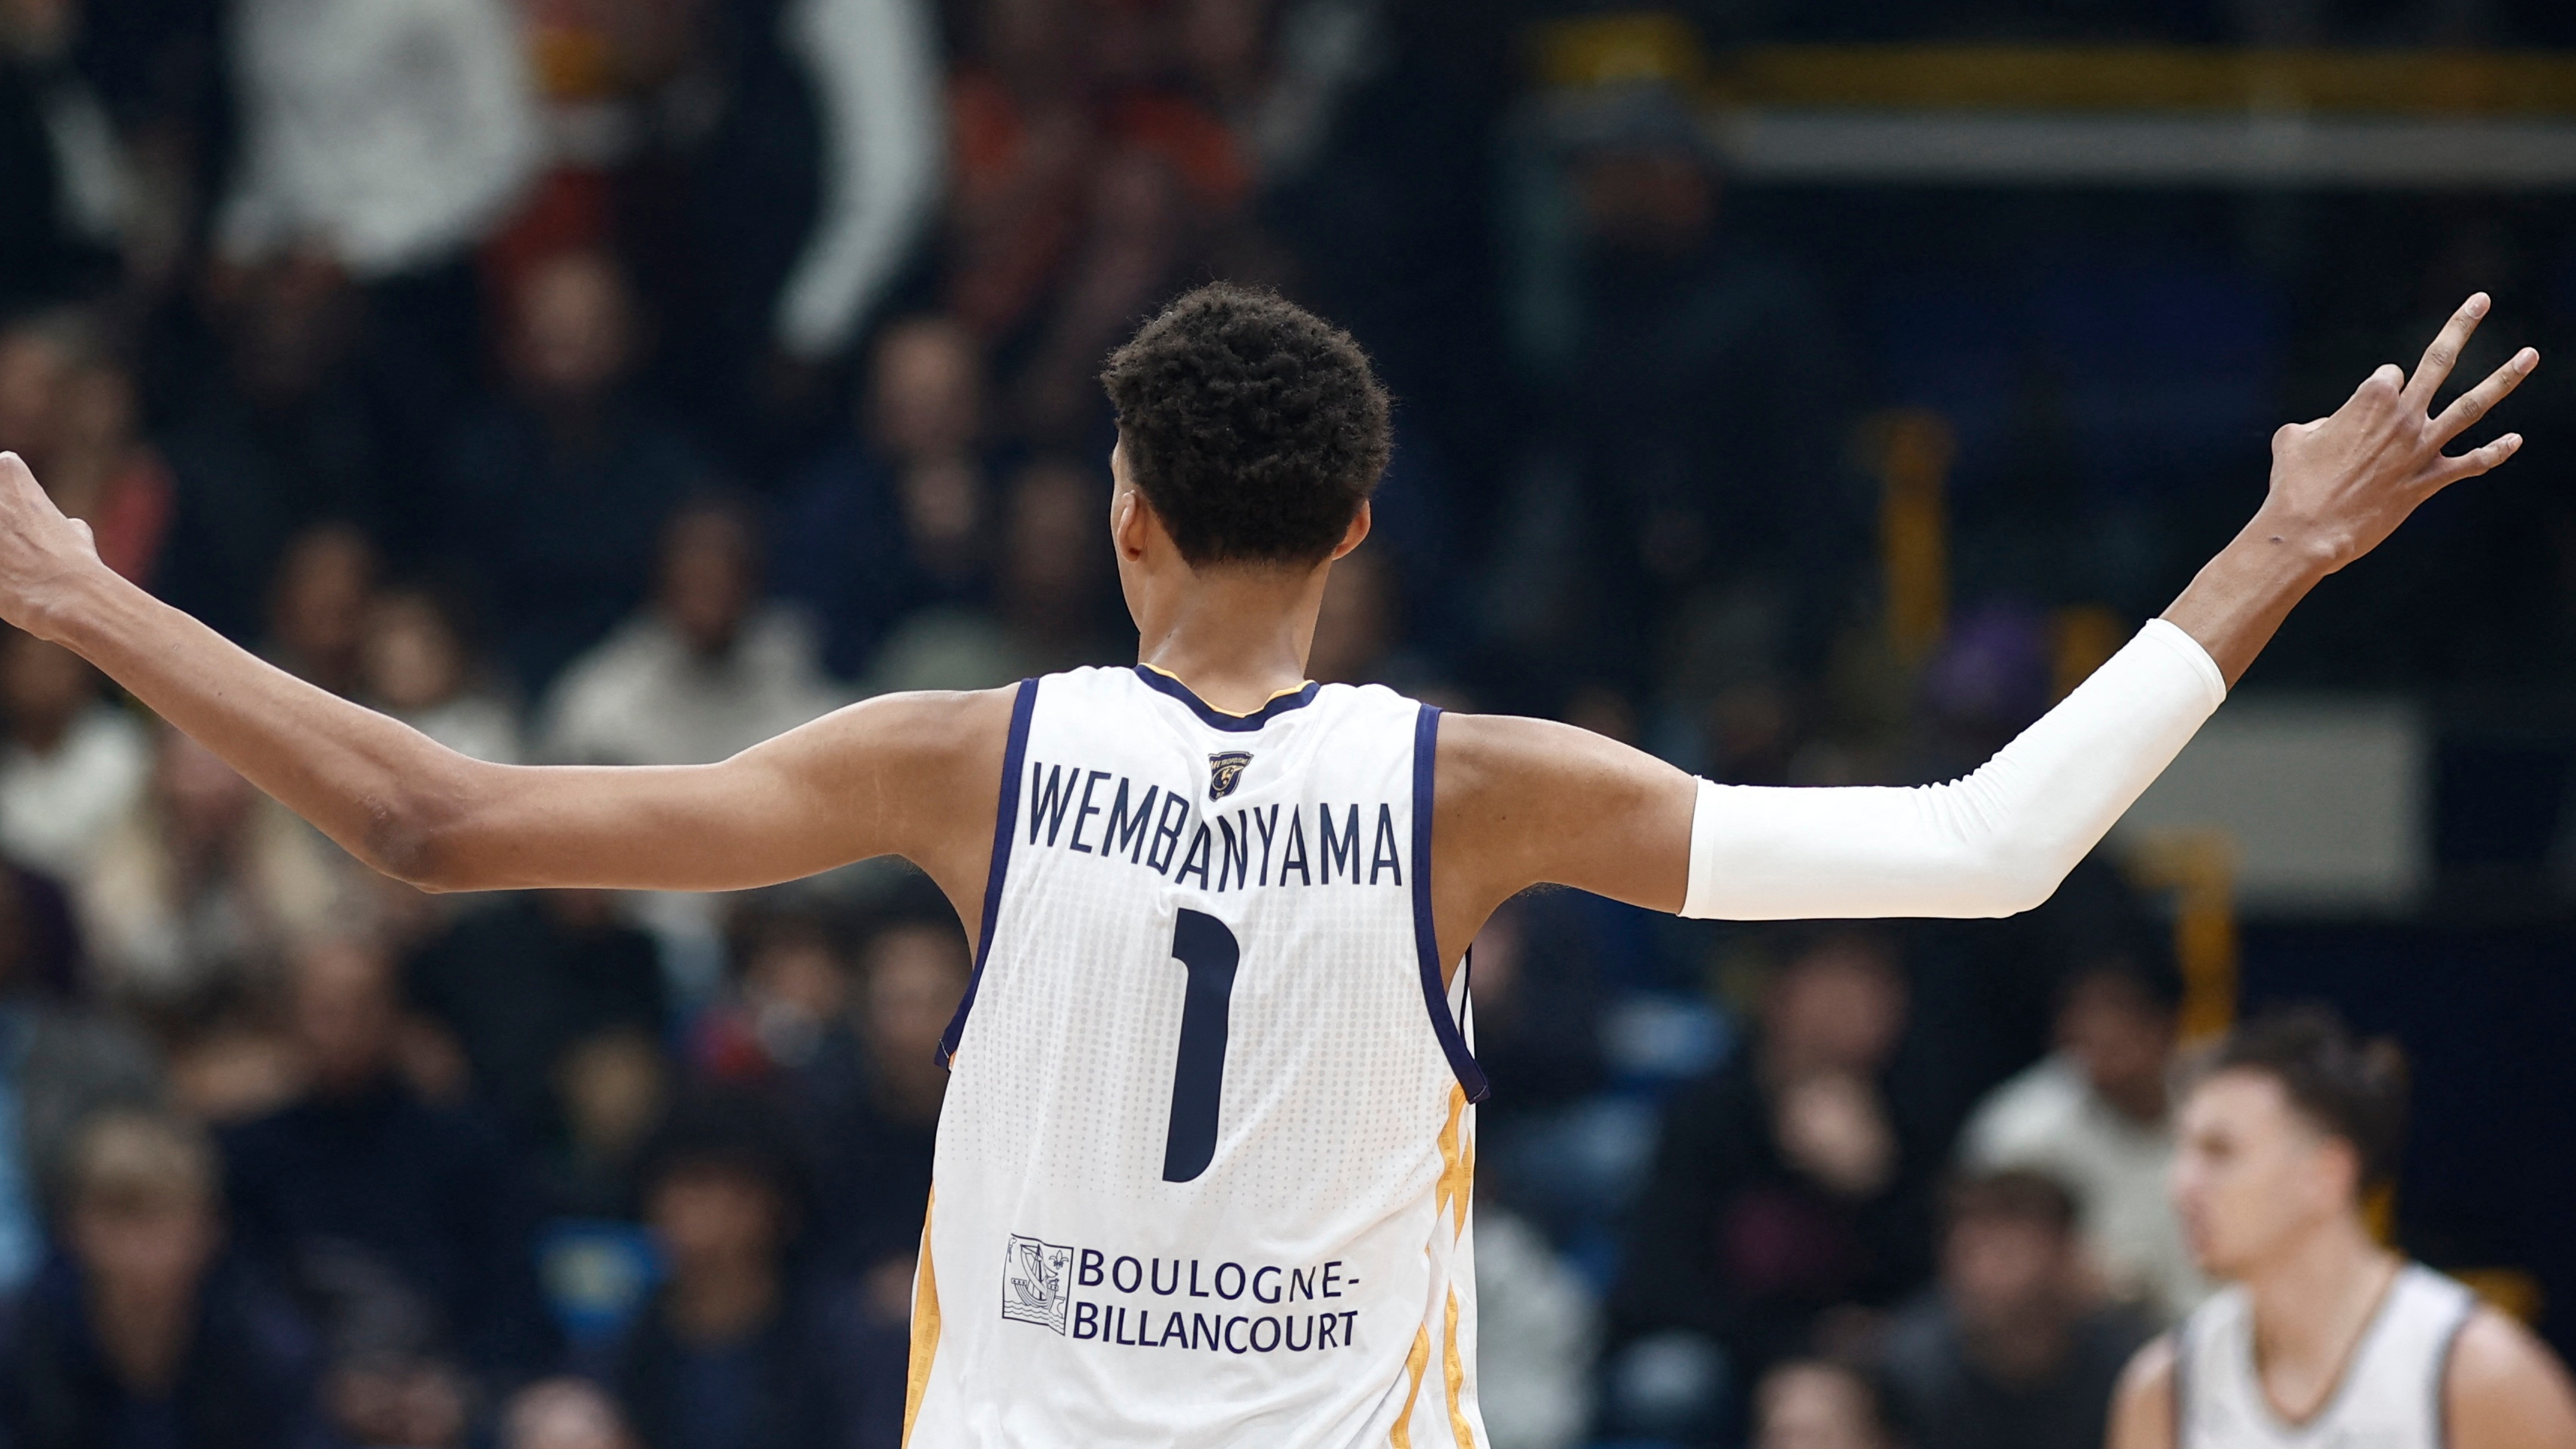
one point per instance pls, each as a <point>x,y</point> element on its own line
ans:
<point>2390,1395</point>
<point>1204,1164</point>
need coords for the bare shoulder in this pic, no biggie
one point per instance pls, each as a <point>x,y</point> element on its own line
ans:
<point>2142,1411</point>
<point>915,728</point>
<point>2504,1389</point>
<point>1503,760</point>
<point>919,772</point>
<point>1522,802</point>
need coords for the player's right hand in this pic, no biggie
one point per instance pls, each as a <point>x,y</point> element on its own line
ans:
<point>43,554</point>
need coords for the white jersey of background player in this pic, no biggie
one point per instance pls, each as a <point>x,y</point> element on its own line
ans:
<point>2323,1339</point>
<point>1288,1130</point>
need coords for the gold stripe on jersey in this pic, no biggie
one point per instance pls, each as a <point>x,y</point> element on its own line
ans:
<point>1454,1370</point>
<point>1401,1436</point>
<point>1457,1166</point>
<point>925,1325</point>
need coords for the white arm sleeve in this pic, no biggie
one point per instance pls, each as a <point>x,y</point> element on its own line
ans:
<point>1991,844</point>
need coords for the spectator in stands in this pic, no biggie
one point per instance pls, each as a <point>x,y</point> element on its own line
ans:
<point>207,883</point>
<point>1055,584</point>
<point>554,494</point>
<point>611,1090</point>
<point>895,520</point>
<point>73,764</point>
<point>409,1220</point>
<point>386,140</point>
<point>736,1351</point>
<point>317,606</point>
<point>520,980</point>
<point>566,1413</point>
<point>705,671</point>
<point>811,194</point>
<point>60,165</point>
<point>2014,1350</point>
<point>145,1331</point>
<point>1051,603</point>
<point>913,969</point>
<point>59,1062</point>
<point>70,410</point>
<point>416,666</point>
<point>2094,1116</point>
<point>1812,1403</point>
<point>289,425</point>
<point>789,1016</point>
<point>1788,1184</point>
<point>390,136</point>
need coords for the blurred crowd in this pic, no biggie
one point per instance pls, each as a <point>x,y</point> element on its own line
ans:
<point>625,381</point>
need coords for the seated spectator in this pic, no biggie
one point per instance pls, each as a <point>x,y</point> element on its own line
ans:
<point>1811,1403</point>
<point>1789,1183</point>
<point>317,607</point>
<point>59,1063</point>
<point>896,520</point>
<point>1058,596</point>
<point>415,666</point>
<point>408,1219</point>
<point>735,1351</point>
<point>288,425</point>
<point>2093,1115</point>
<point>521,979</point>
<point>790,1010</point>
<point>2014,1350</point>
<point>70,410</point>
<point>704,671</point>
<point>1052,601</point>
<point>912,972</point>
<point>145,1331</point>
<point>554,492</point>
<point>565,1413</point>
<point>611,1089</point>
<point>207,883</point>
<point>73,766</point>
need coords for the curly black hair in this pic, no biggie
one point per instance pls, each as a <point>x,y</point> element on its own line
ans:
<point>1255,428</point>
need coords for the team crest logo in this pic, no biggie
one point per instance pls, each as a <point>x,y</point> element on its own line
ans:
<point>1033,1286</point>
<point>1224,771</point>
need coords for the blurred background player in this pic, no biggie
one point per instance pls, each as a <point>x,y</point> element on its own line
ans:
<point>2323,1336</point>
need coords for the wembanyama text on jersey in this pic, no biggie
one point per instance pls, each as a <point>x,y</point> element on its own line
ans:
<point>1204,1165</point>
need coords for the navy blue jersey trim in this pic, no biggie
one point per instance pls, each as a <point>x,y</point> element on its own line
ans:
<point>1426,939</point>
<point>1219,719</point>
<point>1006,817</point>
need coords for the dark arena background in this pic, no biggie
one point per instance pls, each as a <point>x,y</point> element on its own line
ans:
<point>1809,393</point>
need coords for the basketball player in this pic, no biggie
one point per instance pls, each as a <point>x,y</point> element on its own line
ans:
<point>1203,1170</point>
<point>2324,1338</point>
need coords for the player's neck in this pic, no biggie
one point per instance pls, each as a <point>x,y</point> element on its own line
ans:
<point>1237,637</point>
<point>2312,1301</point>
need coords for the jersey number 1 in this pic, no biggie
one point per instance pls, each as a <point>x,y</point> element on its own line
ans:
<point>1203,945</point>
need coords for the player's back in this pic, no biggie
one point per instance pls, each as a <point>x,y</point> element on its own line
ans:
<point>1204,1163</point>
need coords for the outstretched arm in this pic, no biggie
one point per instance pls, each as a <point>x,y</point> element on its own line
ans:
<point>893,775</point>
<point>1523,802</point>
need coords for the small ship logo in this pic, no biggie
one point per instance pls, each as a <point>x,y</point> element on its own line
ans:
<point>1225,771</point>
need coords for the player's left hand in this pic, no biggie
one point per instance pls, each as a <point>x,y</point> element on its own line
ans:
<point>2342,484</point>
<point>41,550</point>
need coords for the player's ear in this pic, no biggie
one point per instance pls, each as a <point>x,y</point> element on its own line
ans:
<point>1357,533</point>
